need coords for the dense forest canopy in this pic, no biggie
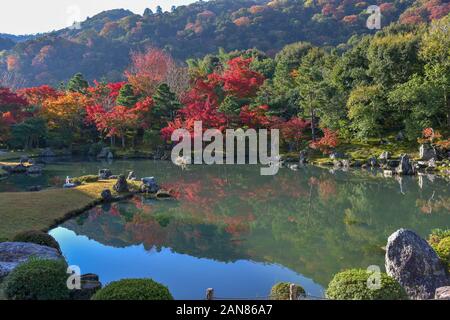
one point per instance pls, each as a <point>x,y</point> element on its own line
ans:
<point>101,47</point>
<point>390,82</point>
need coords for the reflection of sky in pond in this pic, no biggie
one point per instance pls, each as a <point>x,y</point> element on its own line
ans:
<point>187,277</point>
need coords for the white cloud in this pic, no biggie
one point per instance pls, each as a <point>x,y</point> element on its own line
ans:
<point>34,16</point>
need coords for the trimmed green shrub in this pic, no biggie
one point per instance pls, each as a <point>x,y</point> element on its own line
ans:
<point>352,285</point>
<point>443,251</point>
<point>437,235</point>
<point>37,280</point>
<point>133,289</point>
<point>280,291</point>
<point>37,237</point>
<point>85,179</point>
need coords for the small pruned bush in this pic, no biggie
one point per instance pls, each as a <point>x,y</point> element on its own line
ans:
<point>281,291</point>
<point>37,280</point>
<point>440,241</point>
<point>85,179</point>
<point>353,285</point>
<point>133,289</point>
<point>37,237</point>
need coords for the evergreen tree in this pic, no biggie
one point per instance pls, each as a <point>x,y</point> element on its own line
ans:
<point>127,97</point>
<point>77,84</point>
<point>166,104</point>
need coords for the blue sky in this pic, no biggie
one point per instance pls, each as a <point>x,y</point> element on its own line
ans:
<point>34,16</point>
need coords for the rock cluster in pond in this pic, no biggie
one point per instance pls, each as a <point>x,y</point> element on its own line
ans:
<point>415,265</point>
<point>13,254</point>
<point>427,152</point>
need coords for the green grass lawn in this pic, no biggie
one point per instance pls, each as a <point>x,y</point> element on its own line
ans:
<point>22,211</point>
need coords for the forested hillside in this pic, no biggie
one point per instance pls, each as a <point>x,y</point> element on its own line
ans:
<point>101,48</point>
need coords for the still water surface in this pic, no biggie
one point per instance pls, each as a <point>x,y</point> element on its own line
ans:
<point>238,232</point>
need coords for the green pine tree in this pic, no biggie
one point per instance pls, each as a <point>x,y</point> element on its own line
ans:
<point>166,104</point>
<point>77,84</point>
<point>127,97</point>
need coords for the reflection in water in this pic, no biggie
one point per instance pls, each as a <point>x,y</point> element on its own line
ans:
<point>240,232</point>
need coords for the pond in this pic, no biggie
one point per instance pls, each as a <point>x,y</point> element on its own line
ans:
<point>238,232</point>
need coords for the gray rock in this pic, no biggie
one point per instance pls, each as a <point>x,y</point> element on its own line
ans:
<point>106,195</point>
<point>24,159</point>
<point>372,162</point>
<point>131,176</point>
<point>149,185</point>
<point>303,157</point>
<point>386,155</point>
<point>337,155</point>
<point>405,167</point>
<point>414,264</point>
<point>442,293</point>
<point>121,185</point>
<point>13,254</point>
<point>104,174</point>
<point>427,152</point>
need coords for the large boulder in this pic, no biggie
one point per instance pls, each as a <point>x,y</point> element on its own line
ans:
<point>442,293</point>
<point>405,168</point>
<point>121,185</point>
<point>415,265</point>
<point>13,254</point>
<point>427,152</point>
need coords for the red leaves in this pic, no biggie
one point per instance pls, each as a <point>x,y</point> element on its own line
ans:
<point>329,141</point>
<point>37,95</point>
<point>148,70</point>
<point>240,80</point>
<point>118,119</point>
<point>11,106</point>
<point>293,130</point>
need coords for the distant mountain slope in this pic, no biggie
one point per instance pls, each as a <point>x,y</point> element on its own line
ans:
<point>101,47</point>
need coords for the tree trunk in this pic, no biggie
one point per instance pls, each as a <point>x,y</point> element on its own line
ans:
<point>123,141</point>
<point>313,126</point>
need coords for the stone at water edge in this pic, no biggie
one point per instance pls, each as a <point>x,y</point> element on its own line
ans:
<point>13,254</point>
<point>405,167</point>
<point>104,174</point>
<point>415,265</point>
<point>386,155</point>
<point>121,185</point>
<point>442,293</point>
<point>106,195</point>
<point>427,152</point>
